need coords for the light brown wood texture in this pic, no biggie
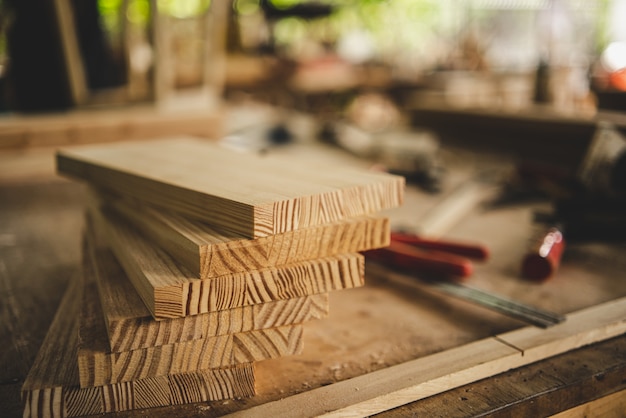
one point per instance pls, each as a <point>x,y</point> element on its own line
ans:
<point>74,70</point>
<point>170,291</point>
<point>241,192</point>
<point>130,325</point>
<point>209,252</point>
<point>611,406</point>
<point>394,386</point>
<point>97,366</point>
<point>103,126</point>
<point>52,389</point>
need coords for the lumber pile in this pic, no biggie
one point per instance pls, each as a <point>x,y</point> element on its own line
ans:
<point>197,263</point>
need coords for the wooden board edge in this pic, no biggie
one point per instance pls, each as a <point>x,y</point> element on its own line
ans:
<point>610,406</point>
<point>416,379</point>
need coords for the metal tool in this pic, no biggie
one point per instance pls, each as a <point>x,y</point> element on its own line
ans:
<point>439,258</point>
<point>444,259</point>
<point>434,256</point>
<point>526,313</point>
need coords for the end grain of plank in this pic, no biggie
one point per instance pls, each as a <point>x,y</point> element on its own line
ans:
<point>131,326</point>
<point>210,252</point>
<point>97,366</point>
<point>52,389</point>
<point>171,291</point>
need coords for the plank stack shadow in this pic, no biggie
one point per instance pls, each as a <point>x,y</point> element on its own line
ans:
<point>198,262</point>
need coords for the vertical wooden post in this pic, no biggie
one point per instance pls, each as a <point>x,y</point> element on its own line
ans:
<point>159,38</point>
<point>71,52</point>
<point>214,60</point>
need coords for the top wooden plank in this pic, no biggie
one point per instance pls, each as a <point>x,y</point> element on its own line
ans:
<point>249,194</point>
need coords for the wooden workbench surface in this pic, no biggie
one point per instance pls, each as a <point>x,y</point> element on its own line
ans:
<point>371,328</point>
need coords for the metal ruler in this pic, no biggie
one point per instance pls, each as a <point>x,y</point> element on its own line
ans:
<point>514,309</point>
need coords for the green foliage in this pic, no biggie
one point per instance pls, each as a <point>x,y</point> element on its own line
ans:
<point>394,25</point>
<point>284,4</point>
<point>183,8</point>
<point>139,10</point>
<point>246,7</point>
<point>109,12</point>
<point>602,38</point>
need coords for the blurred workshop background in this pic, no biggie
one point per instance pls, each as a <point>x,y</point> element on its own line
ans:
<point>316,56</point>
<point>388,80</point>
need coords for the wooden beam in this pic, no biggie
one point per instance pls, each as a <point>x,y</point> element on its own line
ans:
<point>130,325</point>
<point>240,192</point>
<point>544,388</point>
<point>52,389</point>
<point>171,291</point>
<point>102,126</point>
<point>216,20</point>
<point>209,252</point>
<point>417,379</point>
<point>159,34</point>
<point>71,52</point>
<point>610,406</point>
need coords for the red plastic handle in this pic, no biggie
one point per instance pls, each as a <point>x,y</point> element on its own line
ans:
<point>543,259</point>
<point>474,251</point>
<point>435,262</point>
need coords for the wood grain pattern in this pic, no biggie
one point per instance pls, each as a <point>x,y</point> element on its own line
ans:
<point>97,366</point>
<point>417,379</point>
<point>543,389</point>
<point>610,406</point>
<point>210,252</point>
<point>131,326</point>
<point>244,193</point>
<point>52,389</point>
<point>170,291</point>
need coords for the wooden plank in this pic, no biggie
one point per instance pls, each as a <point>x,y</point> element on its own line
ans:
<point>214,55</point>
<point>417,379</point>
<point>171,291</point>
<point>71,52</point>
<point>130,325</point>
<point>102,126</point>
<point>52,389</point>
<point>535,134</point>
<point>209,252</point>
<point>159,34</point>
<point>560,383</point>
<point>97,366</point>
<point>611,406</point>
<point>241,192</point>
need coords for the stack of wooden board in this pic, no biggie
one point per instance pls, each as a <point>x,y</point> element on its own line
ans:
<point>198,262</point>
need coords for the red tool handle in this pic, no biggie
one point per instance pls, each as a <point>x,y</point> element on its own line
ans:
<point>475,251</point>
<point>435,262</point>
<point>544,257</point>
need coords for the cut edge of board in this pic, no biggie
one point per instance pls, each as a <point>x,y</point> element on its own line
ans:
<point>131,326</point>
<point>98,366</point>
<point>51,388</point>
<point>209,252</point>
<point>171,291</point>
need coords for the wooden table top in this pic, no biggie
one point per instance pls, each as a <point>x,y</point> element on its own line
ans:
<point>369,329</point>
